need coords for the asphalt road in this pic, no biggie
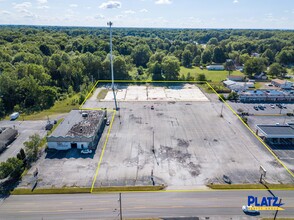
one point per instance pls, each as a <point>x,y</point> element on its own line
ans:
<point>25,130</point>
<point>203,204</point>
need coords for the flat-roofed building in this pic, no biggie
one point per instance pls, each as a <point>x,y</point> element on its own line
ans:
<point>80,129</point>
<point>277,133</point>
<point>7,136</point>
<point>215,67</point>
<point>283,84</point>
<point>266,96</point>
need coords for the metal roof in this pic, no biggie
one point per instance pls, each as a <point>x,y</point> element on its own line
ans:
<point>276,131</point>
<point>7,134</point>
<point>77,125</point>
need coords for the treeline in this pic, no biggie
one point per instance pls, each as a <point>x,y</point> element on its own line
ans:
<point>12,169</point>
<point>38,65</point>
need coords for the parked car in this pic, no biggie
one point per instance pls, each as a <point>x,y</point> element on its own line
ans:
<point>272,106</point>
<point>247,209</point>
<point>152,107</point>
<point>86,151</point>
<point>107,122</point>
<point>256,108</point>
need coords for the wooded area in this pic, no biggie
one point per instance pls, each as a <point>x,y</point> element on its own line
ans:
<point>39,65</point>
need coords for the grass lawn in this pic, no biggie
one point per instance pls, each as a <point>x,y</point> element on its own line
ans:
<point>251,186</point>
<point>63,106</point>
<point>214,76</point>
<point>70,190</point>
<point>258,85</point>
<point>102,94</point>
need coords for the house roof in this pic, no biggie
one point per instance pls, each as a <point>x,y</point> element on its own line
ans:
<point>279,81</point>
<point>276,131</point>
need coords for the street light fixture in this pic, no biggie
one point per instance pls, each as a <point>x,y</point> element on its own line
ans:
<point>111,64</point>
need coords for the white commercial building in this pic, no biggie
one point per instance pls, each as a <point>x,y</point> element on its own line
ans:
<point>80,129</point>
<point>215,67</point>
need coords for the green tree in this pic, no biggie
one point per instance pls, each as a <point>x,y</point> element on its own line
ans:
<point>230,66</point>
<point>140,70</point>
<point>2,108</point>
<point>12,167</point>
<point>201,77</point>
<point>233,96</point>
<point>31,148</point>
<point>276,70</point>
<point>197,60</point>
<point>120,68</point>
<point>254,66</point>
<point>269,55</point>
<point>244,58</point>
<point>218,55</point>
<point>187,58</point>
<point>213,41</point>
<point>171,67</point>
<point>155,69</point>
<point>206,56</point>
<point>285,57</point>
<point>5,169</point>
<point>45,50</point>
<point>141,55</point>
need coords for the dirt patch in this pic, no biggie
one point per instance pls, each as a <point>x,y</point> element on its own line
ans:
<point>183,143</point>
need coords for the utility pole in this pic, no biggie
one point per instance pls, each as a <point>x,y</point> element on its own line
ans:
<point>111,64</point>
<point>280,202</point>
<point>120,209</point>
<point>221,114</point>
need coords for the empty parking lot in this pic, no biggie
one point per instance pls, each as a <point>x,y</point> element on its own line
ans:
<point>193,145</point>
<point>179,144</point>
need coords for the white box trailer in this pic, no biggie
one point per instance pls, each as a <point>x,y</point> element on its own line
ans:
<point>14,116</point>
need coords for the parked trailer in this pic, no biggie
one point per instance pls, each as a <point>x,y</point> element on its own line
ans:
<point>14,116</point>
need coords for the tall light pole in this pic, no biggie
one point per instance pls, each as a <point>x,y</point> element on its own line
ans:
<point>111,64</point>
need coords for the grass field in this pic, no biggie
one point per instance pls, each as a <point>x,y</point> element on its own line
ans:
<point>251,186</point>
<point>59,107</point>
<point>214,76</point>
<point>70,190</point>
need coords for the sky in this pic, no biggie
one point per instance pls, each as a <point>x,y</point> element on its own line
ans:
<point>253,14</point>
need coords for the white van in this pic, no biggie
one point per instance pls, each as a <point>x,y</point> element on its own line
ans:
<point>14,115</point>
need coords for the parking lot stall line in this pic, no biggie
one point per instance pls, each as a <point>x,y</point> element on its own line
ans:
<point>258,138</point>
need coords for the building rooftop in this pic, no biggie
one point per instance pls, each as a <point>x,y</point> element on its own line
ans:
<point>77,125</point>
<point>276,131</point>
<point>6,134</point>
<point>264,92</point>
<point>279,81</point>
